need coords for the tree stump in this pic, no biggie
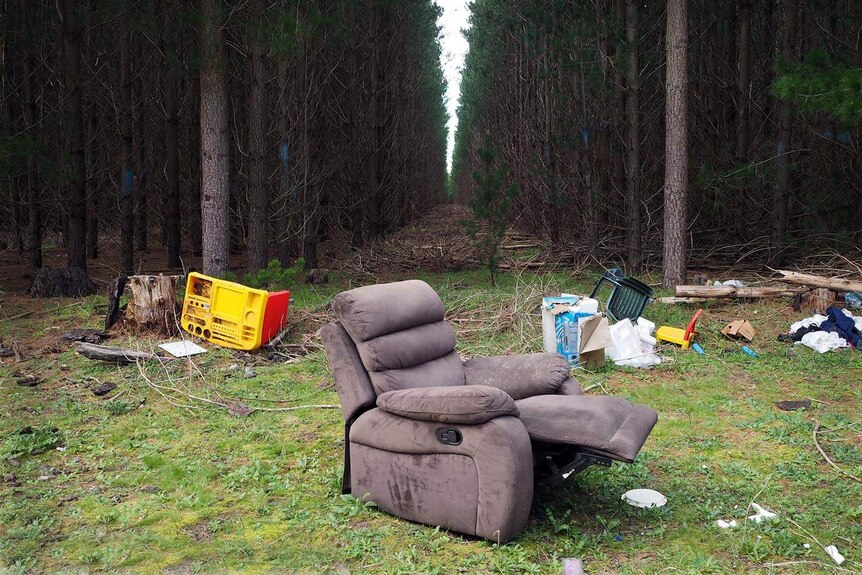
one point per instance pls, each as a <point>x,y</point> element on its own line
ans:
<point>817,300</point>
<point>61,282</point>
<point>152,304</point>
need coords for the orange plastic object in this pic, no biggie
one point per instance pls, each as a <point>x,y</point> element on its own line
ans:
<point>678,335</point>
<point>223,312</point>
<point>275,316</point>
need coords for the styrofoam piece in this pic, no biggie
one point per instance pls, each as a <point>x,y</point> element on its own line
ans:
<point>625,342</point>
<point>183,348</point>
<point>726,524</point>
<point>644,498</point>
<point>648,339</point>
<point>835,554</point>
<point>645,325</point>
<point>589,305</point>
<point>761,515</point>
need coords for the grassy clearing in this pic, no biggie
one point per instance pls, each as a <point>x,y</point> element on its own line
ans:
<point>135,484</point>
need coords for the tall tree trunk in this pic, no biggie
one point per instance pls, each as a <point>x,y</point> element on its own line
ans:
<point>127,220</point>
<point>619,142</point>
<point>783,143</point>
<point>34,206</point>
<point>356,97</point>
<point>258,196</point>
<point>140,159</point>
<point>738,204</point>
<point>676,145</point>
<point>172,129</point>
<point>286,220</point>
<point>91,148</point>
<point>633,157</point>
<point>76,232</point>
<point>92,185</point>
<point>194,200</point>
<point>373,204</point>
<point>214,145</point>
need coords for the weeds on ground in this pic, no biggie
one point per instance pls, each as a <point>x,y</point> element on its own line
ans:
<point>131,483</point>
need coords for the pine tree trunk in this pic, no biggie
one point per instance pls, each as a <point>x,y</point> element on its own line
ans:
<point>172,159</point>
<point>286,220</point>
<point>127,206</point>
<point>194,200</point>
<point>214,145</point>
<point>140,166</point>
<point>676,145</point>
<point>783,144</point>
<point>739,203</point>
<point>633,158</point>
<point>258,195</point>
<point>34,208</point>
<point>76,226</point>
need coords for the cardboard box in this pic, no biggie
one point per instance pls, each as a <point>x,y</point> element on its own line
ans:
<point>578,336</point>
<point>739,329</point>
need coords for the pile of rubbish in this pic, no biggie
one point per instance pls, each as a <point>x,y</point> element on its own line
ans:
<point>822,333</point>
<point>573,326</point>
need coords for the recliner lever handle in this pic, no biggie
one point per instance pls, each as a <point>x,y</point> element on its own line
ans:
<point>449,436</point>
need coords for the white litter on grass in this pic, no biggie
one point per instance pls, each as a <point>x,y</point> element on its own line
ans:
<point>726,524</point>
<point>628,346</point>
<point>182,348</point>
<point>835,554</point>
<point>731,283</point>
<point>644,498</point>
<point>822,341</point>
<point>762,514</point>
<point>815,319</point>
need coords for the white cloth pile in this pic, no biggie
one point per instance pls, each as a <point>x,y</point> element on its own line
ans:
<point>822,341</point>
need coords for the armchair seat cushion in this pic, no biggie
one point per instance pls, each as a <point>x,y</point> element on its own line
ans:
<point>464,404</point>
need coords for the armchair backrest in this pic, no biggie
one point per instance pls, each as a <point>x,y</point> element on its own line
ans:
<point>399,337</point>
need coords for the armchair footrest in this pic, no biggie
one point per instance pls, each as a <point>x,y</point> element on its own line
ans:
<point>608,426</point>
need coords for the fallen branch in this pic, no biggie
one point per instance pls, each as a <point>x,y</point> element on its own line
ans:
<point>826,457</point>
<point>837,284</point>
<point>115,354</point>
<point>731,291</point>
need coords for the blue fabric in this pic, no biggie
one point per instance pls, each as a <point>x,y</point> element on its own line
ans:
<point>843,325</point>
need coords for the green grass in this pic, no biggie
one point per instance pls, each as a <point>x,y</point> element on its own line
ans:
<point>135,484</point>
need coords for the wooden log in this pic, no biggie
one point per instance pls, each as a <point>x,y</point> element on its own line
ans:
<point>153,304</point>
<point>113,354</point>
<point>731,291</point>
<point>835,284</point>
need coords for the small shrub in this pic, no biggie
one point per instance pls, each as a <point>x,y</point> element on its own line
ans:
<point>273,276</point>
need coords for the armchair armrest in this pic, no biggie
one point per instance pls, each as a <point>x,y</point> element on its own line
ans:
<point>464,404</point>
<point>519,376</point>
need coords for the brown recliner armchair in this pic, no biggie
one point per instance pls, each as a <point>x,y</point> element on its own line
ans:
<point>458,444</point>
